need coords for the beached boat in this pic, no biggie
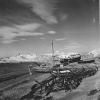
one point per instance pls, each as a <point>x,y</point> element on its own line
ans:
<point>41,69</point>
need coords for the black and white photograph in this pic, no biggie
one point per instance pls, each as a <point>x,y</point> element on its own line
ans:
<point>49,50</point>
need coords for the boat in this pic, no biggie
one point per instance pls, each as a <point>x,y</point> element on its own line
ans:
<point>61,65</point>
<point>45,68</point>
<point>86,61</point>
<point>41,69</point>
<point>71,59</point>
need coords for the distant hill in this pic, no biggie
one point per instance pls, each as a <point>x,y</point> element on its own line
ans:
<point>46,57</point>
<point>19,58</point>
<point>95,52</point>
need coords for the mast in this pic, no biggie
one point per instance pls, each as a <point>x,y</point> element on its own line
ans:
<point>52,53</point>
<point>52,49</point>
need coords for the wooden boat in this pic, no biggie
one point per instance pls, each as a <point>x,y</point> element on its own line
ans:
<point>41,70</point>
<point>86,61</point>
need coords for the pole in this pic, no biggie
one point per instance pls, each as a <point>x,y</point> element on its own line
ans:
<point>52,53</point>
<point>30,73</point>
<point>52,49</point>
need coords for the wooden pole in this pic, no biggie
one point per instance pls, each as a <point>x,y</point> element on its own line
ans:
<point>30,73</point>
<point>52,53</point>
<point>52,48</point>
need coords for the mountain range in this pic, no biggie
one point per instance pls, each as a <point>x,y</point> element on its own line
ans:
<point>19,58</point>
<point>45,57</point>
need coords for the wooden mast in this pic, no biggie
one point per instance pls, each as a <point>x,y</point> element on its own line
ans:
<point>53,53</point>
<point>52,49</point>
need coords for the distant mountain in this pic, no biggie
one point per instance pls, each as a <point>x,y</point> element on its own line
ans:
<point>95,52</point>
<point>19,58</point>
<point>57,56</point>
<point>65,55</point>
<point>43,58</point>
<point>47,57</point>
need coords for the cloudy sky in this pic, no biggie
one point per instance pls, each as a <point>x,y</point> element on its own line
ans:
<point>29,26</point>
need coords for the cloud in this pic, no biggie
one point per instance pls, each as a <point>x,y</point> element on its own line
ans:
<point>43,8</point>
<point>51,32</point>
<point>12,12</point>
<point>28,27</point>
<point>42,38</point>
<point>8,34</point>
<point>22,39</point>
<point>63,54</point>
<point>63,16</point>
<point>73,46</point>
<point>60,39</point>
<point>22,18</point>
<point>8,41</point>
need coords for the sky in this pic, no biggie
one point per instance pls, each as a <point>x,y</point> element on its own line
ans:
<point>29,26</point>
